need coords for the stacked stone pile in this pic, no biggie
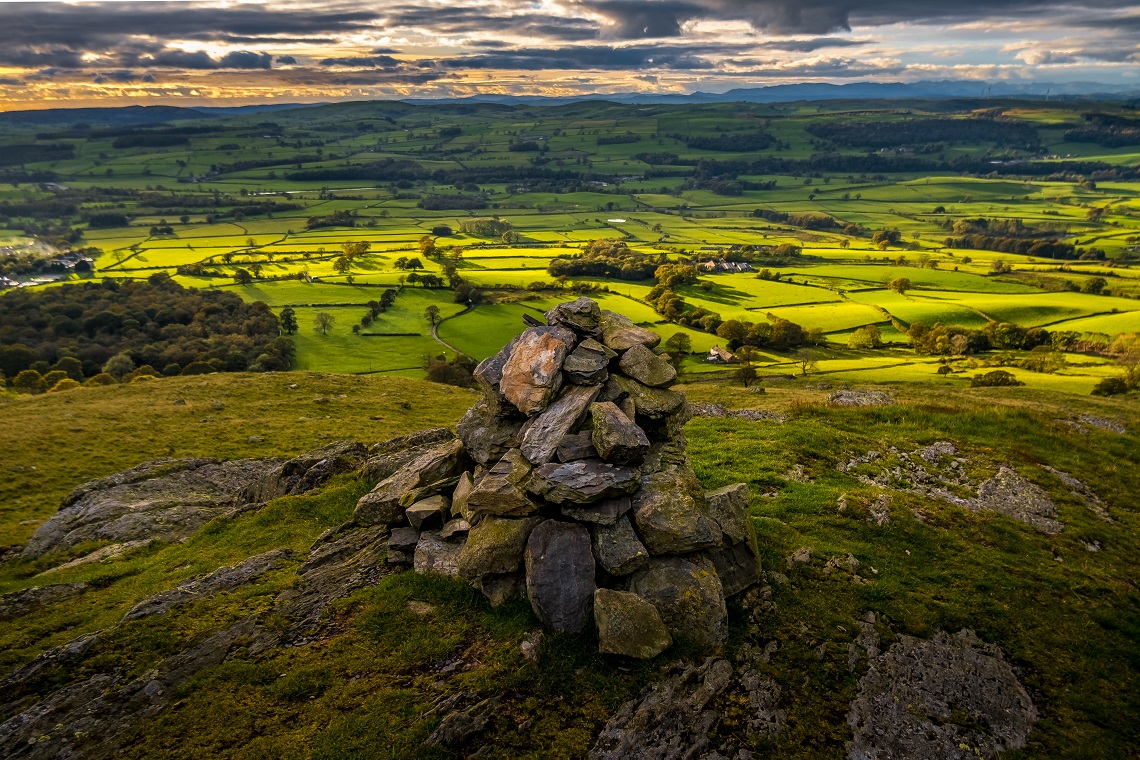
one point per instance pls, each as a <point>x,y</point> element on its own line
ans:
<point>569,484</point>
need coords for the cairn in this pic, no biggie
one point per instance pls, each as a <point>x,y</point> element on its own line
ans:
<point>569,485</point>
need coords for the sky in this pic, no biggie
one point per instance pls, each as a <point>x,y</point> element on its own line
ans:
<point>58,54</point>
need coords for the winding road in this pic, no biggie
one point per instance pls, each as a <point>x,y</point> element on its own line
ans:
<point>441,341</point>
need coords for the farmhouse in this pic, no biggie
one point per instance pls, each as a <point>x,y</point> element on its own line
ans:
<point>726,266</point>
<point>718,355</point>
<point>6,283</point>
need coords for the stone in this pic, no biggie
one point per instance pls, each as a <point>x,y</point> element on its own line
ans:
<point>486,433</point>
<point>17,604</point>
<point>560,576</point>
<point>500,589</point>
<point>737,565</point>
<point>669,517</point>
<point>582,482</point>
<point>689,597</point>
<point>434,555</point>
<point>501,491</point>
<point>600,513</point>
<point>541,435</point>
<point>461,725</point>
<point>952,696</point>
<point>615,437</point>
<point>729,507</point>
<point>646,367</point>
<point>654,403</point>
<point>1012,495</point>
<point>576,446</point>
<point>429,512</point>
<point>460,495</point>
<point>671,719</point>
<point>860,398</point>
<point>382,505</point>
<point>588,364</point>
<point>617,548</point>
<point>455,528</point>
<point>628,625</point>
<point>403,540</point>
<point>489,373</point>
<point>621,334</point>
<point>223,579</point>
<point>495,546</point>
<point>533,373</point>
<point>165,499</point>
<point>582,315</point>
<point>387,457</point>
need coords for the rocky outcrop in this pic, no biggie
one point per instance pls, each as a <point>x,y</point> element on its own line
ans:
<point>953,696</point>
<point>222,579</point>
<point>170,499</point>
<point>580,479</point>
<point>628,625</point>
<point>860,398</point>
<point>19,603</point>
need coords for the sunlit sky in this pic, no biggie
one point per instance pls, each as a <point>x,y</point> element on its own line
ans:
<point>235,53</point>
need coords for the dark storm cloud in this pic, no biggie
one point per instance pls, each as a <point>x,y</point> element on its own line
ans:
<point>286,60</point>
<point>462,20</point>
<point>590,57</point>
<point>634,19</point>
<point>371,62</point>
<point>809,46</point>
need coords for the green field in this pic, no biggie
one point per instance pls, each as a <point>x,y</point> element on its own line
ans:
<point>272,215</point>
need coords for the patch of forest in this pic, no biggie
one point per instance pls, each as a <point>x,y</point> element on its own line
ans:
<point>894,134</point>
<point>157,322</point>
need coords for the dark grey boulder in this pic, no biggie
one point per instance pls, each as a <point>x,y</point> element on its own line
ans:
<point>560,576</point>
<point>582,482</point>
<point>429,512</point>
<point>646,367</point>
<point>541,435</point>
<point>617,548</point>
<point>689,597</point>
<point>628,625</point>
<point>604,512</point>
<point>737,565</point>
<point>582,315</point>
<point>486,433</point>
<point>588,364</point>
<point>616,438</point>
<point>576,446</point>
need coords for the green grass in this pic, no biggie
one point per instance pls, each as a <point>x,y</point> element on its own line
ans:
<point>366,688</point>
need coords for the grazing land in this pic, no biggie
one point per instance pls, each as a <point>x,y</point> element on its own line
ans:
<point>992,212</point>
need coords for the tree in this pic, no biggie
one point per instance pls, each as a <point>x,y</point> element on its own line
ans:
<point>72,366</point>
<point>865,337</point>
<point>401,263</point>
<point>288,321</point>
<point>427,246</point>
<point>1094,286</point>
<point>432,314</point>
<point>746,375</point>
<point>415,264</point>
<point>119,365</point>
<point>900,285</point>
<point>807,362</point>
<point>242,277</point>
<point>342,264</point>
<point>29,381</point>
<point>323,322</point>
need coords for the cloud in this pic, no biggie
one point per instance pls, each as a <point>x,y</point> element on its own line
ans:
<point>591,57</point>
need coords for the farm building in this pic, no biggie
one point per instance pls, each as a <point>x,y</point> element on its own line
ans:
<point>726,266</point>
<point>718,355</point>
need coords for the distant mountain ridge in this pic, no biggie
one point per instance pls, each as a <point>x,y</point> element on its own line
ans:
<point>780,93</point>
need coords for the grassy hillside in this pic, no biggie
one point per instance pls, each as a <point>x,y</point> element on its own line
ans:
<point>1065,615</point>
